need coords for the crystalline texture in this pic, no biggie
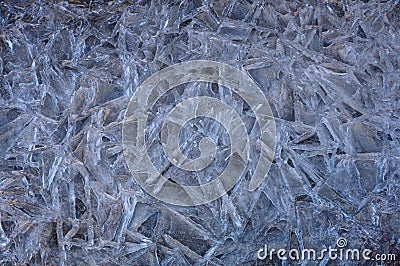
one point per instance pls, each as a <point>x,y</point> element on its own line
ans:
<point>329,69</point>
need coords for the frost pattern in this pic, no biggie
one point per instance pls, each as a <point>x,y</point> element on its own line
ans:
<point>329,69</point>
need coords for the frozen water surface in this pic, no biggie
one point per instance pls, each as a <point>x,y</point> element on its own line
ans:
<point>329,69</point>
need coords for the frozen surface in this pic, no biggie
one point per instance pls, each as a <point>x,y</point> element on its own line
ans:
<point>329,69</point>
